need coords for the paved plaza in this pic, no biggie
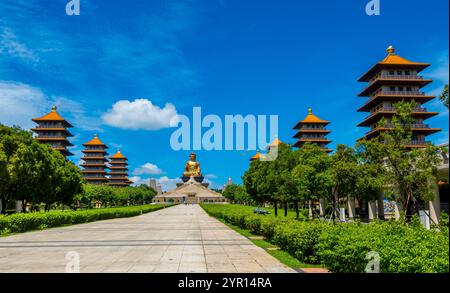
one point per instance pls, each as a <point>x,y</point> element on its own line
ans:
<point>178,239</point>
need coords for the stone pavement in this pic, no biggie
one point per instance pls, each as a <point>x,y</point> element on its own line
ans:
<point>178,239</point>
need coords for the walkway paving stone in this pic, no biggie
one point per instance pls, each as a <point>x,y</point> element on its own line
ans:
<point>178,239</point>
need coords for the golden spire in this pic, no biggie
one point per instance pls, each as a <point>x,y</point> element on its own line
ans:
<point>390,50</point>
<point>310,111</point>
<point>54,109</point>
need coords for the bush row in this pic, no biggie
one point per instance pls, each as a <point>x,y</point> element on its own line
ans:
<point>344,247</point>
<point>18,223</point>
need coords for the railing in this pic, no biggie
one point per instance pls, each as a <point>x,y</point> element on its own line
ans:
<point>402,93</point>
<point>50,126</point>
<point>94,148</point>
<point>413,142</point>
<point>311,128</point>
<point>58,136</point>
<point>94,163</point>
<point>389,125</point>
<point>313,137</point>
<point>397,77</point>
<point>395,93</point>
<point>417,142</point>
<point>392,109</point>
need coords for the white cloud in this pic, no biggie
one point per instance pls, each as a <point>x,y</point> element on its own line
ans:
<point>19,103</point>
<point>440,71</point>
<point>139,114</point>
<point>211,176</point>
<point>168,183</point>
<point>77,113</point>
<point>137,180</point>
<point>11,46</point>
<point>148,169</point>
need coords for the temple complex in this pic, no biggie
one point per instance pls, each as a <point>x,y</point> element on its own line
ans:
<point>118,167</point>
<point>312,130</point>
<point>52,130</point>
<point>95,161</point>
<point>392,80</point>
<point>191,190</point>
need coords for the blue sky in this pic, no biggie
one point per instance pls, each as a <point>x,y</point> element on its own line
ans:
<point>227,56</point>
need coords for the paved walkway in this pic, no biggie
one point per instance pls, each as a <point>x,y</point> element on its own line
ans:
<point>177,239</point>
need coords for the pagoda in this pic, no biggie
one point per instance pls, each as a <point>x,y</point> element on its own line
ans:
<point>392,80</point>
<point>312,130</point>
<point>52,130</point>
<point>95,161</point>
<point>118,170</point>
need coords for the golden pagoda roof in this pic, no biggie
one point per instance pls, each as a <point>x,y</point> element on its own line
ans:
<point>276,142</point>
<point>395,61</point>
<point>256,157</point>
<point>118,155</point>
<point>95,141</point>
<point>311,118</point>
<point>52,116</point>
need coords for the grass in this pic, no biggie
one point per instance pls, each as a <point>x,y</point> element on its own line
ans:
<point>281,255</point>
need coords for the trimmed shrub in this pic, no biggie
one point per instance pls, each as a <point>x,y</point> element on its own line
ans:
<point>401,248</point>
<point>18,223</point>
<point>343,247</point>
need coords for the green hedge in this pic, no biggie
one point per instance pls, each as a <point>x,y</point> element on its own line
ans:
<point>343,247</point>
<point>18,223</point>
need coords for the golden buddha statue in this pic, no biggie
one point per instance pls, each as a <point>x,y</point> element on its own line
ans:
<point>192,168</point>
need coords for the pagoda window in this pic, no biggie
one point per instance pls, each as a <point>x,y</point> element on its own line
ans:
<point>392,88</point>
<point>392,72</point>
<point>407,72</point>
<point>399,72</point>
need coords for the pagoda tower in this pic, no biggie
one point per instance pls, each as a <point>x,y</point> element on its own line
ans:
<point>95,161</point>
<point>312,129</point>
<point>118,170</point>
<point>52,130</point>
<point>153,184</point>
<point>392,80</point>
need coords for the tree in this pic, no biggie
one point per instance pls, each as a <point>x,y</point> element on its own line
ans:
<point>312,173</point>
<point>345,173</point>
<point>281,169</point>
<point>444,96</point>
<point>236,194</point>
<point>11,139</point>
<point>33,172</point>
<point>407,174</point>
<point>253,180</point>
